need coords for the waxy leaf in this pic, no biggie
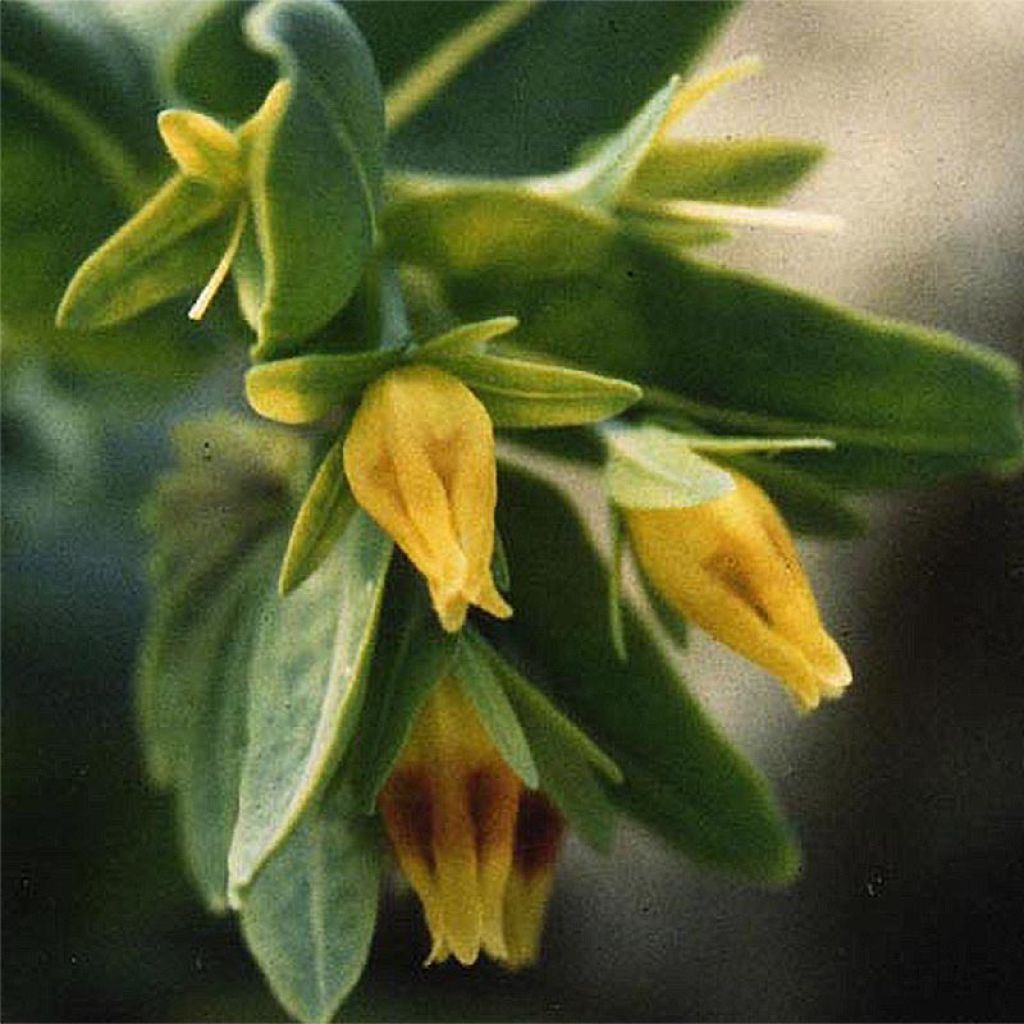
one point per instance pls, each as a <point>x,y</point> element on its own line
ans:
<point>217,522</point>
<point>477,678</point>
<point>323,518</point>
<point>211,771</point>
<point>308,916</point>
<point>681,778</point>
<point>903,403</point>
<point>233,486</point>
<point>315,174</point>
<point>304,389</point>
<point>649,467</point>
<point>307,685</point>
<point>517,393</point>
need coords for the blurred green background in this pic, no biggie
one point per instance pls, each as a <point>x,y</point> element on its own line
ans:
<point>908,794</point>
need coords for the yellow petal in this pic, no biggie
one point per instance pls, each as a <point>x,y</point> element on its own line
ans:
<point>731,567</point>
<point>420,459</point>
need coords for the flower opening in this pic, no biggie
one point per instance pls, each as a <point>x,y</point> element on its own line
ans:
<point>476,845</point>
<point>731,567</point>
<point>419,458</point>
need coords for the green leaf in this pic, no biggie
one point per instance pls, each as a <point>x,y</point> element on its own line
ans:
<point>468,339</point>
<point>500,570</point>
<point>315,174</point>
<point>306,388</point>
<point>517,393</point>
<point>752,171</point>
<point>568,762</point>
<point>681,778</point>
<point>171,245</point>
<point>649,467</point>
<point>210,773</point>
<point>480,684</point>
<point>308,682</point>
<point>323,518</point>
<point>231,488</point>
<point>309,915</point>
<point>607,173</point>
<point>743,355</point>
<point>411,656</point>
<point>560,102</point>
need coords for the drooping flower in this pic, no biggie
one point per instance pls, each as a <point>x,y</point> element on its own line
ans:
<point>730,566</point>
<point>476,845</point>
<point>419,458</point>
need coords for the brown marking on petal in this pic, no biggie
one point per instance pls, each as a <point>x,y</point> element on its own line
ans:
<point>724,568</point>
<point>406,805</point>
<point>492,796</point>
<point>539,829</point>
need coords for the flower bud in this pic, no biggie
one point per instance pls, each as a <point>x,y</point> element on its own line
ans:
<point>730,566</point>
<point>478,848</point>
<point>419,458</point>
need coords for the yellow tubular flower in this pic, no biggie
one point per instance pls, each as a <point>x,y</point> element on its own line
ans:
<point>419,458</point>
<point>731,567</point>
<point>478,848</point>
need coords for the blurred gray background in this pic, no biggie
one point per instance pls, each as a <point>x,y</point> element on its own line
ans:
<point>908,794</point>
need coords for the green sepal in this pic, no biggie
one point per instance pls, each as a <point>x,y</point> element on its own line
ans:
<point>412,654</point>
<point>321,521</point>
<point>478,681</point>
<point>304,389</point>
<point>649,467</point>
<point>517,393</point>
<point>569,764</point>
<point>682,779</point>
<point>315,170</point>
<point>904,403</point>
<point>308,916</point>
<point>607,173</point>
<point>308,682</point>
<point>467,339</point>
<point>171,245</point>
<point>751,171</point>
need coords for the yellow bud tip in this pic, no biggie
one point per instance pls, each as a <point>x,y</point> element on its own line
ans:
<point>477,847</point>
<point>420,460</point>
<point>731,567</point>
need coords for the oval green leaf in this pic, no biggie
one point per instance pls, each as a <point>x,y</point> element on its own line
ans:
<point>309,915</point>
<point>315,171</point>
<point>309,669</point>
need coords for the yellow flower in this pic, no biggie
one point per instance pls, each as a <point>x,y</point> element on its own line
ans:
<point>730,566</point>
<point>420,459</point>
<point>476,845</point>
